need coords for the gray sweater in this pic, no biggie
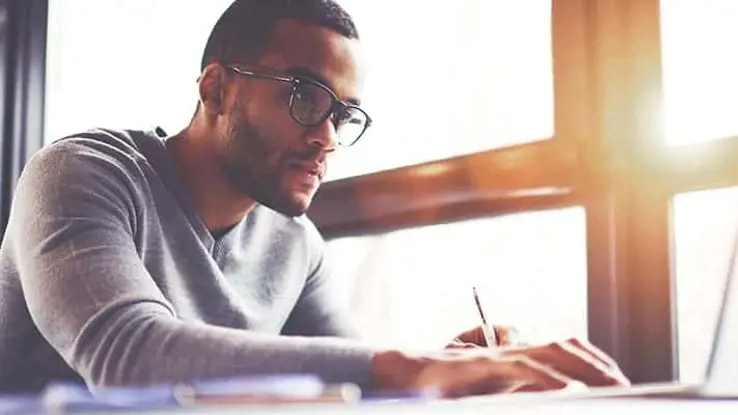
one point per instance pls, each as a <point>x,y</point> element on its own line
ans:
<point>108,275</point>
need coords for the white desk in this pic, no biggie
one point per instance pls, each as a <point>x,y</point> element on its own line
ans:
<point>605,406</point>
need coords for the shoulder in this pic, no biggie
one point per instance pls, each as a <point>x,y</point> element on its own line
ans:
<point>113,152</point>
<point>119,144</point>
<point>88,177</point>
<point>102,164</point>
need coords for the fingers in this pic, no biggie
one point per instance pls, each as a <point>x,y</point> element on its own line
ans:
<point>534,374</point>
<point>605,362</point>
<point>595,352</point>
<point>485,376</point>
<point>473,336</point>
<point>507,336</point>
<point>577,362</point>
<point>458,344</point>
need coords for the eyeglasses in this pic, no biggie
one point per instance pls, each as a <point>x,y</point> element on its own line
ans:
<point>311,103</point>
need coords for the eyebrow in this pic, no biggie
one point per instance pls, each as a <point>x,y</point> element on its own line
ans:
<point>314,76</point>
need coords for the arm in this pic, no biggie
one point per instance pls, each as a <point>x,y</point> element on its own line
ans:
<point>72,228</point>
<point>90,296</point>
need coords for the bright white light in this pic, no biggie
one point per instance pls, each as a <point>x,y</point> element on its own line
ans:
<point>123,63</point>
<point>448,78</point>
<point>700,67</point>
<point>413,288</point>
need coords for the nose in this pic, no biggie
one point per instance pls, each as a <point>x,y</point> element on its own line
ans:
<point>323,136</point>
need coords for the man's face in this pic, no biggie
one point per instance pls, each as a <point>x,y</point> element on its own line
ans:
<point>268,155</point>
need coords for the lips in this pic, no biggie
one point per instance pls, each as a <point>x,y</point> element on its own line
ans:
<point>313,168</point>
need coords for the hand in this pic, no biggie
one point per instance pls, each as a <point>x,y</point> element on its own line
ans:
<point>455,373</point>
<point>506,336</point>
<point>575,358</point>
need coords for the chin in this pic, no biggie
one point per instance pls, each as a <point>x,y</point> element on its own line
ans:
<point>290,206</point>
<point>293,211</point>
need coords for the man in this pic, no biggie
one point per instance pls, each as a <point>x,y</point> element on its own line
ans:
<point>131,259</point>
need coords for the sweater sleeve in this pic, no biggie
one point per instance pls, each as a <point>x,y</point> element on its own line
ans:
<point>73,228</point>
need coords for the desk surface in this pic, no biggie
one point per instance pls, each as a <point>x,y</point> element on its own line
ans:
<point>526,403</point>
<point>619,406</point>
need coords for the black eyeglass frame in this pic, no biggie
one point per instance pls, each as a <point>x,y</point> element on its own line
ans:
<point>336,107</point>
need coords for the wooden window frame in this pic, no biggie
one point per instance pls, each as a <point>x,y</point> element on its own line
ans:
<point>607,154</point>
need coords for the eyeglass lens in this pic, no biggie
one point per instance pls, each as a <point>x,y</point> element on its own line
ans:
<point>312,103</point>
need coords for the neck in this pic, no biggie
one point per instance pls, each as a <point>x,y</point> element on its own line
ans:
<point>218,203</point>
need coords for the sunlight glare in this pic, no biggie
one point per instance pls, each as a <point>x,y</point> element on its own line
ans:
<point>700,69</point>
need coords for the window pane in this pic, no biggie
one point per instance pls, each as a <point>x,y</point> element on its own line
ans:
<point>450,77</point>
<point>705,225</point>
<point>700,67</point>
<point>413,288</point>
<point>123,63</point>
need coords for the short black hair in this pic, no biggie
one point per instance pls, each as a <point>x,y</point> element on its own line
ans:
<point>244,29</point>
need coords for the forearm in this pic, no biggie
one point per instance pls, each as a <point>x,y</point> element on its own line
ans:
<point>141,345</point>
<point>73,237</point>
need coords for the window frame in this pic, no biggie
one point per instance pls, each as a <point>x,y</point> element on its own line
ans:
<point>23,26</point>
<point>607,154</point>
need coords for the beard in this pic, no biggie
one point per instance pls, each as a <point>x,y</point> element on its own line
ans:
<point>254,167</point>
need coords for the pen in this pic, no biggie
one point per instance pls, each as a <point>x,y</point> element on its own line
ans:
<point>490,336</point>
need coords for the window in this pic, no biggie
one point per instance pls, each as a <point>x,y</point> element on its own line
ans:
<point>701,94</point>
<point>124,64</point>
<point>700,67</point>
<point>468,76</point>
<point>706,226</point>
<point>413,288</point>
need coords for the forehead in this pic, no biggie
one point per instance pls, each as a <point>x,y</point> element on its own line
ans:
<point>338,60</point>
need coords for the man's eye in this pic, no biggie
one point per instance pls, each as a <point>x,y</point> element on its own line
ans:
<point>306,95</point>
<point>343,117</point>
<point>348,117</point>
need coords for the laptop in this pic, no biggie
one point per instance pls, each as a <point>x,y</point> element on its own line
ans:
<point>721,377</point>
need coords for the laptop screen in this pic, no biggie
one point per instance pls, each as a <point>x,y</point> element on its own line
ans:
<point>722,370</point>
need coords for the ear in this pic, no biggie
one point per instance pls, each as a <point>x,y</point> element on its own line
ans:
<point>212,88</point>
